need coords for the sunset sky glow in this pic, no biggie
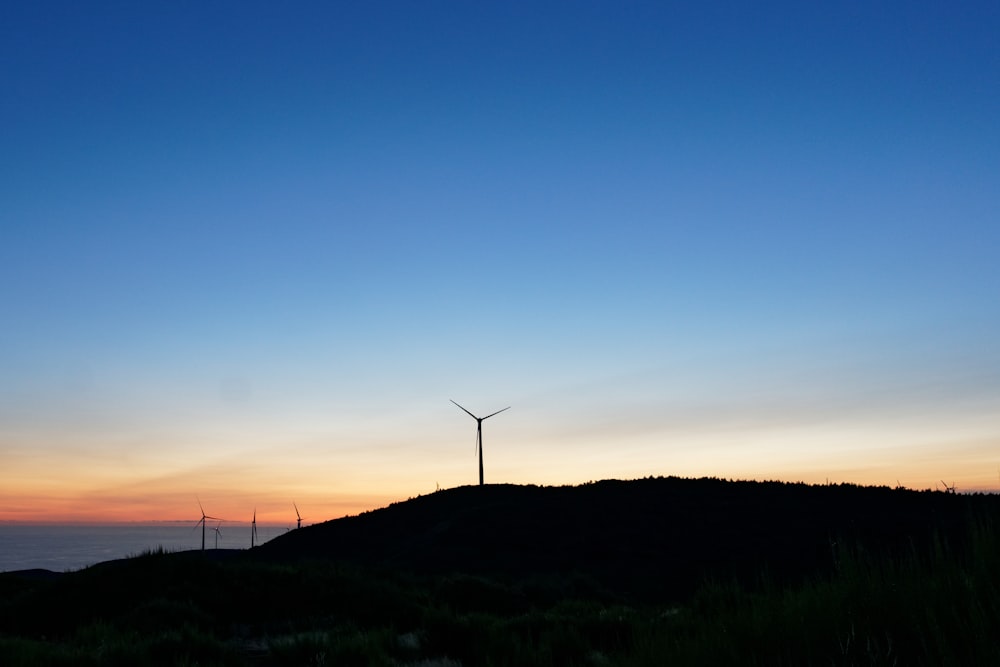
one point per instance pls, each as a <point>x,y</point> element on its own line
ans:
<point>249,251</point>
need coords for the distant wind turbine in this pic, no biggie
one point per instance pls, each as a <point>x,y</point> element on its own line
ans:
<point>202,522</point>
<point>253,528</point>
<point>298,516</point>
<point>479,435</point>
<point>217,533</point>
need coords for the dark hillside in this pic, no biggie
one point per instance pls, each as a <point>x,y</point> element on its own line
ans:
<point>618,573</point>
<point>652,538</point>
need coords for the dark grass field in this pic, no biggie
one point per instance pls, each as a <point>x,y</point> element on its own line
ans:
<point>645,572</point>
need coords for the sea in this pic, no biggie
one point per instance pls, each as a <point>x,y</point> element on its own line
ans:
<point>62,548</point>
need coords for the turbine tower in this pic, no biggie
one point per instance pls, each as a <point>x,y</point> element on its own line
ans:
<point>298,517</point>
<point>253,528</point>
<point>202,522</point>
<point>479,435</point>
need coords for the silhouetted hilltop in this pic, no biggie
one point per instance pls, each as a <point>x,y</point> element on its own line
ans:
<point>657,537</point>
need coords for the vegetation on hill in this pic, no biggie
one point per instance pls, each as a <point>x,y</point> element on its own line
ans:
<point>653,571</point>
<point>654,538</point>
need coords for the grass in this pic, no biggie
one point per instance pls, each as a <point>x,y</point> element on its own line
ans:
<point>939,608</point>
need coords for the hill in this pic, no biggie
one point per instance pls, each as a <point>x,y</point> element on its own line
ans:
<point>656,537</point>
<point>639,573</point>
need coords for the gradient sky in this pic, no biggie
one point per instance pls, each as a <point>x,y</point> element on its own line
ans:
<point>249,251</point>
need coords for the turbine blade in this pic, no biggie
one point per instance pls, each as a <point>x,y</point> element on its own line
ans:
<point>298,516</point>
<point>466,411</point>
<point>497,412</point>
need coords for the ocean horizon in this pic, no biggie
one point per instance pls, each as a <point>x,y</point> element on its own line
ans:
<point>67,547</point>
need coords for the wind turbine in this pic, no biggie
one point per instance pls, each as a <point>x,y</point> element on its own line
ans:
<point>217,533</point>
<point>479,435</point>
<point>202,522</point>
<point>298,516</point>
<point>253,528</point>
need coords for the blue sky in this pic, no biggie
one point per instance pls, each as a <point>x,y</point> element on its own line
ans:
<point>246,246</point>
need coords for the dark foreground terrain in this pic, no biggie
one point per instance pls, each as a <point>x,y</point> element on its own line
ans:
<point>645,572</point>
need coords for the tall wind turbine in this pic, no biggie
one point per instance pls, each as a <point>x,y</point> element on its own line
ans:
<point>479,435</point>
<point>253,528</point>
<point>298,516</point>
<point>202,522</point>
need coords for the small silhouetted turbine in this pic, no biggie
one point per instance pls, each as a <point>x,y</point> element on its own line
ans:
<point>479,435</point>
<point>202,522</point>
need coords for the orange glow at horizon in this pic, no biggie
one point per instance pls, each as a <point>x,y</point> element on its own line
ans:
<point>350,468</point>
<point>277,509</point>
<point>81,509</point>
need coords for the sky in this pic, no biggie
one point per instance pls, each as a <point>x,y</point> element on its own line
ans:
<point>249,252</point>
